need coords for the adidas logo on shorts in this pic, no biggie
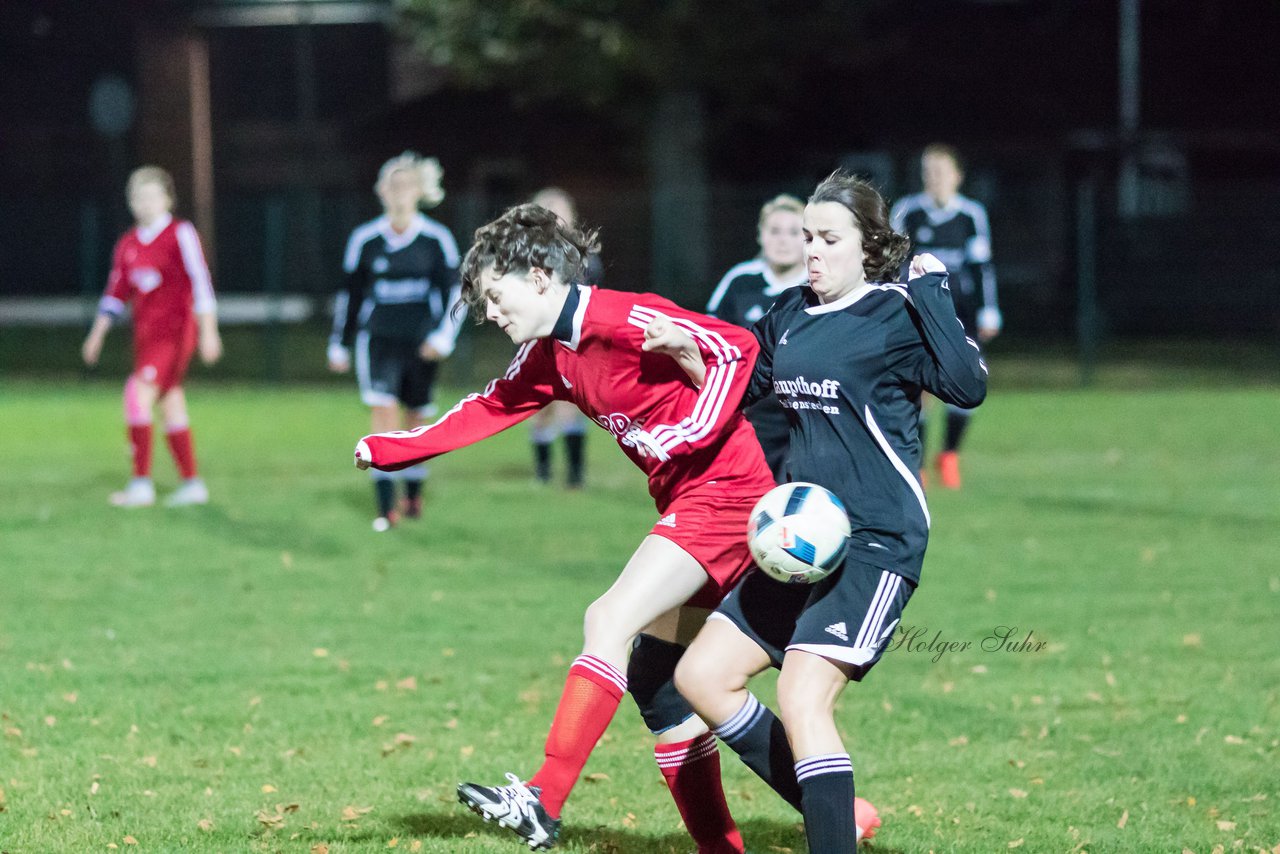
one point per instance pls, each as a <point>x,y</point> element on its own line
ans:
<point>669,520</point>
<point>839,630</point>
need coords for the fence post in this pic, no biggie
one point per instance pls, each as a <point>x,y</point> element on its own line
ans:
<point>273,287</point>
<point>1087,331</point>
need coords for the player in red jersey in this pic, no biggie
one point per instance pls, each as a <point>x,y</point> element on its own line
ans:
<point>705,469</point>
<point>158,267</point>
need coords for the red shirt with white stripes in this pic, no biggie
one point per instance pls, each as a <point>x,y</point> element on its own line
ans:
<point>160,270</point>
<point>692,435</point>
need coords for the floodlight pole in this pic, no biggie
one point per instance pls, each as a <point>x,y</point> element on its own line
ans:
<point>1130,103</point>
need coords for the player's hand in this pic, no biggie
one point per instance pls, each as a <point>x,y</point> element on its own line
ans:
<point>986,333</point>
<point>924,264</point>
<point>429,353</point>
<point>210,347</point>
<point>339,359</point>
<point>664,337</point>
<point>91,349</point>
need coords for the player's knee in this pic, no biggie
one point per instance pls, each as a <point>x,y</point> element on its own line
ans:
<point>606,622</point>
<point>802,701</point>
<point>650,679</point>
<point>702,677</point>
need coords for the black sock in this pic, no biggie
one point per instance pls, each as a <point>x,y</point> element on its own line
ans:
<point>827,784</point>
<point>757,736</point>
<point>385,490</point>
<point>413,489</point>
<point>956,424</point>
<point>542,461</point>
<point>573,446</point>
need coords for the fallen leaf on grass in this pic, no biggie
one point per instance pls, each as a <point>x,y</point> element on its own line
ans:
<point>380,720</point>
<point>1226,825</point>
<point>270,820</point>
<point>129,840</point>
<point>267,788</point>
<point>466,752</point>
<point>916,810</point>
<point>320,848</point>
<point>959,741</point>
<point>393,842</point>
<point>409,683</point>
<point>50,720</point>
<point>320,652</point>
<point>598,777</point>
<point>205,824</point>
<point>1192,639</point>
<point>1233,739</point>
<point>780,849</point>
<point>351,813</point>
<point>629,820</point>
<point>71,697</point>
<point>402,741</point>
<point>149,761</point>
<point>1124,819</point>
<point>1016,843</point>
<point>1018,793</point>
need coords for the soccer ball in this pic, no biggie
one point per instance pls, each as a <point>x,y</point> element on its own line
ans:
<point>798,533</point>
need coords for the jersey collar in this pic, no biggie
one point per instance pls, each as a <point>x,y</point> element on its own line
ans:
<point>774,285</point>
<point>568,328</point>
<point>845,301</point>
<point>151,232</point>
<point>396,241</point>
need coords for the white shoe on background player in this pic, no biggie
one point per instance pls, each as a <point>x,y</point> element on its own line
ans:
<point>191,492</point>
<point>139,492</point>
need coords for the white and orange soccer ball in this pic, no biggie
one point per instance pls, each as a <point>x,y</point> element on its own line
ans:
<point>798,533</point>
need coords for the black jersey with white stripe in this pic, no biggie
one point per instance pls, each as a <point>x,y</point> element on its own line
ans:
<point>745,293</point>
<point>958,235</point>
<point>400,286</point>
<point>849,374</point>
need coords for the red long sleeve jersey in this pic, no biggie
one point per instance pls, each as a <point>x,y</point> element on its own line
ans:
<point>691,435</point>
<point>162,271</point>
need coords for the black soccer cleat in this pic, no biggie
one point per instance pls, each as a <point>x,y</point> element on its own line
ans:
<point>516,807</point>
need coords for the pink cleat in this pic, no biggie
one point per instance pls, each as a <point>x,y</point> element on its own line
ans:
<point>866,818</point>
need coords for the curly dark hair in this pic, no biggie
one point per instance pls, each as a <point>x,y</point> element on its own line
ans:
<point>524,237</point>
<point>883,249</point>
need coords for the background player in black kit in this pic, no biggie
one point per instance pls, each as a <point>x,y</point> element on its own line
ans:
<point>561,419</point>
<point>394,312</point>
<point>747,291</point>
<point>953,228</point>
<point>868,350</point>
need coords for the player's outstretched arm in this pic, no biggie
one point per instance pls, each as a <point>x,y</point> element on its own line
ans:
<point>952,368</point>
<point>524,390</point>
<point>91,349</point>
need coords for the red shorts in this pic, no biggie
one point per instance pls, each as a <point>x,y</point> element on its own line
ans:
<point>710,523</point>
<point>163,359</point>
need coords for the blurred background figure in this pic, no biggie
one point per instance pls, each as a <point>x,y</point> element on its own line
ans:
<point>745,295</point>
<point>395,315</point>
<point>562,419</point>
<point>954,229</point>
<point>159,269</point>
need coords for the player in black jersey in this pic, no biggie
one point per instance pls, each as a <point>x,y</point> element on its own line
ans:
<point>394,312</point>
<point>954,229</point>
<point>745,294</point>
<point>848,357</point>
<point>561,418</point>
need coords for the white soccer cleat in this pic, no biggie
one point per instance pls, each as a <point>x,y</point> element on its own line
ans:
<point>191,492</point>
<point>140,492</point>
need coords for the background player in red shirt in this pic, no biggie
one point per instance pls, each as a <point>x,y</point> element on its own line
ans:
<point>159,268</point>
<point>705,469</point>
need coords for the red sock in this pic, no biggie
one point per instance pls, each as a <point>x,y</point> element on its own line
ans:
<point>140,444</point>
<point>184,453</point>
<point>591,696</point>
<point>692,771</point>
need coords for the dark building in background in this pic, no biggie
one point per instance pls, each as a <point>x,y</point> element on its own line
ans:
<point>274,117</point>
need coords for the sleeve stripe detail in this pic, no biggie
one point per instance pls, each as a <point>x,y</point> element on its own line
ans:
<point>355,245</point>
<point>715,389</point>
<point>197,269</point>
<point>746,268</point>
<point>445,238</point>
<point>512,371</point>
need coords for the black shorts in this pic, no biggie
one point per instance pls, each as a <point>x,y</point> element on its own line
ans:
<point>391,372</point>
<point>848,617</point>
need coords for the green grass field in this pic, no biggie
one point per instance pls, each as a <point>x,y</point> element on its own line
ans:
<point>266,674</point>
